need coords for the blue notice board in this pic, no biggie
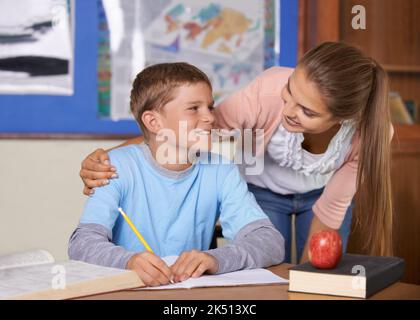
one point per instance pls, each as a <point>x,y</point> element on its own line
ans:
<point>77,114</point>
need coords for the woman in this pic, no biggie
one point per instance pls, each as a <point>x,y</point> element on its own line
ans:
<point>327,133</point>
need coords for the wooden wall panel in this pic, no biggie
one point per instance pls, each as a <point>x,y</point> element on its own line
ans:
<point>393,38</point>
<point>405,177</point>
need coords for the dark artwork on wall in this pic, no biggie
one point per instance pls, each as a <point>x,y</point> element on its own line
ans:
<point>36,49</point>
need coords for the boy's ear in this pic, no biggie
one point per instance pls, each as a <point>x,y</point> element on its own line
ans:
<point>152,121</point>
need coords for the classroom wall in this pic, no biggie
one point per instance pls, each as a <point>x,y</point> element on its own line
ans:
<point>41,192</point>
<point>41,196</point>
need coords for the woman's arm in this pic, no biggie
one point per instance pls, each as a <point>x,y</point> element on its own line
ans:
<point>329,210</point>
<point>136,140</point>
<point>96,169</point>
<point>331,207</point>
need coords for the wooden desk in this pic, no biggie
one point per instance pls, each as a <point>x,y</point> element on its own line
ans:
<point>397,291</point>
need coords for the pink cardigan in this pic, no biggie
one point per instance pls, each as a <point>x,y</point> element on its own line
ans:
<point>259,106</point>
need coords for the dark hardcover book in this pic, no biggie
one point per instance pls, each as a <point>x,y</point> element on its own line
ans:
<point>357,276</point>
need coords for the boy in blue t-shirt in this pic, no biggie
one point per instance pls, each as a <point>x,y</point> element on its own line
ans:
<point>173,198</point>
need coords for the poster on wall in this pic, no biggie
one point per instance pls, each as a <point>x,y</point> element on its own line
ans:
<point>36,47</point>
<point>232,41</point>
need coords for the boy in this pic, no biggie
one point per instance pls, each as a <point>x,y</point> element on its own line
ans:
<point>174,204</point>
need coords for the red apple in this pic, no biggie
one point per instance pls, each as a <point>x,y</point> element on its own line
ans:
<point>325,248</point>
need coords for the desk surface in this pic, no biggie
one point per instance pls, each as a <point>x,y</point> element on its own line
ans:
<point>266,292</point>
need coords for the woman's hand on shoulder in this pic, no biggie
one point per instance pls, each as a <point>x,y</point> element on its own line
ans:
<point>96,170</point>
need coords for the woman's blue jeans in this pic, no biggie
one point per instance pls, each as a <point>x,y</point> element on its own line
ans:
<point>280,208</point>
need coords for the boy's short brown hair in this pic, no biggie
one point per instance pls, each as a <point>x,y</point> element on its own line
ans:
<point>155,85</point>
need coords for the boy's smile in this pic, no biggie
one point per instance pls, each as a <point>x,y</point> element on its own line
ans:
<point>190,109</point>
<point>183,126</point>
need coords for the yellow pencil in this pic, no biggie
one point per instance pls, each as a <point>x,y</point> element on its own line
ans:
<point>139,236</point>
<point>135,230</point>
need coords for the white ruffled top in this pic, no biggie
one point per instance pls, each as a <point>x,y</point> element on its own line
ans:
<point>288,168</point>
<point>286,149</point>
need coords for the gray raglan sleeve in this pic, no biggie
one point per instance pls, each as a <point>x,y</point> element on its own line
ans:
<point>257,245</point>
<point>92,243</point>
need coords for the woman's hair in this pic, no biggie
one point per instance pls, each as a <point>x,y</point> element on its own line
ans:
<point>355,87</point>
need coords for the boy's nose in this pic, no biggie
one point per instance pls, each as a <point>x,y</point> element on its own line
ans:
<point>208,118</point>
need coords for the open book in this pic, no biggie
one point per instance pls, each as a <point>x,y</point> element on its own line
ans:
<point>237,278</point>
<point>36,275</point>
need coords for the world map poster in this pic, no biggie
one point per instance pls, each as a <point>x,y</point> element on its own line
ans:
<point>231,41</point>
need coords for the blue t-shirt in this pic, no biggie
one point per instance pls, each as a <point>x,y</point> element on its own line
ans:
<point>174,211</point>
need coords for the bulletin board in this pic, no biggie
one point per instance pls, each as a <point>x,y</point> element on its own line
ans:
<point>77,115</point>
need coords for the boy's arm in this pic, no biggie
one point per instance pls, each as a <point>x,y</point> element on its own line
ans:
<point>256,243</point>
<point>92,240</point>
<point>96,169</point>
<point>92,243</point>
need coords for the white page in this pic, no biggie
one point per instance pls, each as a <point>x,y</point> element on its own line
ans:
<point>242,277</point>
<point>170,260</point>
<point>22,259</point>
<point>26,280</point>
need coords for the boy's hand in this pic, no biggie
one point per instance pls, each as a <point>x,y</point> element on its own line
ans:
<point>151,269</point>
<point>96,170</point>
<point>193,264</point>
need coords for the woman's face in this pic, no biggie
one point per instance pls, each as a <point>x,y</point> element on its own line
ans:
<point>304,108</point>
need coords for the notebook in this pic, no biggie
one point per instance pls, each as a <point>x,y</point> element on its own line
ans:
<point>356,276</point>
<point>36,275</point>
<point>237,278</point>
